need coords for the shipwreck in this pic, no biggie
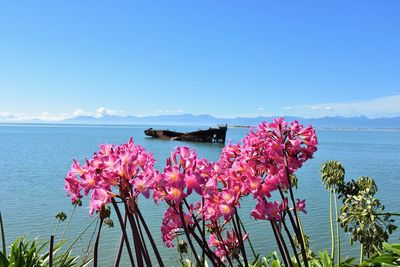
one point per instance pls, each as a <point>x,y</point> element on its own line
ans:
<point>211,135</point>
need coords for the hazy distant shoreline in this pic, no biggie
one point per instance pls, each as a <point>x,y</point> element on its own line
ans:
<point>162,126</point>
<point>356,122</point>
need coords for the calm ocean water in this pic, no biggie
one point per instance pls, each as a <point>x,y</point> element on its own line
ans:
<point>35,158</point>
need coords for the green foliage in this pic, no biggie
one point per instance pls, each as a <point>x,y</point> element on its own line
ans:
<point>25,253</point>
<point>182,247</point>
<point>323,259</point>
<point>108,222</point>
<point>367,185</point>
<point>272,260</point>
<point>348,189</point>
<point>61,216</point>
<point>362,215</point>
<point>332,174</point>
<point>309,253</point>
<point>389,256</point>
<point>355,187</point>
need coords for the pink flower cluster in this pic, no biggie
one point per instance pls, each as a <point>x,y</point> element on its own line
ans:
<point>258,166</point>
<point>182,175</point>
<point>127,167</point>
<point>264,160</point>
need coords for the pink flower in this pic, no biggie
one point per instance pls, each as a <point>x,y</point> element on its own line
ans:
<point>175,194</point>
<point>228,196</point>
<point>142,185</point>
<point>267,211</point>
<point>73,187</point>
<point>173,176</point>
<point>185,157</point>
<point>230,244</point>
<point>90,181</point>
<point>194,182</point>
<point>226,211</point>
<point>100,197</point>
<point>301,205</point>
<point>127,167</point>
<point>77,169</point>
<point>172,224</point>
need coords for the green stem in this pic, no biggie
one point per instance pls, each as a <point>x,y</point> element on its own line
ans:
<point>3,236</point>
<point>220,239</point>
<point>361,253</point>
<point>240,238</point>
<point>331,221</point>
<point>302,234</point>
<point>80,235</point>
<point>291,241</point>
<point>124,238</point>
<point>136,239</point>
<point>203,244</point>
<point>150,237</point>
<point>69,220</point>
<point>377,250</point>
<point>281,244</point>
<point>296,227</point>
<point>89,245</point>
<point>55,230</point>
<point>203,235</point>
<point>96,245</point>
<point>145,251</point>
<point>337,228</point>
<point>187,234</point>
<point>201,232</point>
<point>248,238</point>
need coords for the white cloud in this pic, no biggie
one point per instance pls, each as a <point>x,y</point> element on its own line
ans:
<point>388,106</point>
<point>98,113</point>
<point>53,117</point>
<point>7,116</point>
<point>378,107</point>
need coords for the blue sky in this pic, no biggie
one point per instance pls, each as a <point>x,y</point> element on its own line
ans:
<point>224,58</point>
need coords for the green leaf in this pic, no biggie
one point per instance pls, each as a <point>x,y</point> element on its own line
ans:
<point>3,260</point>
<point>394,248</point>
<point>276,263</point>
<point>325,259</point>
<point>387,258</point>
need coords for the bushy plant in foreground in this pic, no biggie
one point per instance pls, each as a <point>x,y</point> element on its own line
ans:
<point>362,215</point>
<point>35,253</point>
<point>41,253</point>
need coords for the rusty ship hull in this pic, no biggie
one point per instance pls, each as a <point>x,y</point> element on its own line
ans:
<point>211,135</point>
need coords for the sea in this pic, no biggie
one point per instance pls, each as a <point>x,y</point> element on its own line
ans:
<point>34,160</point>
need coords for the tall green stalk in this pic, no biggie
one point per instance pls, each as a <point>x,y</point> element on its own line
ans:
<point>337,228</point>
<point>361,253</point>
<point>3,236</point>
<point>331,221</point>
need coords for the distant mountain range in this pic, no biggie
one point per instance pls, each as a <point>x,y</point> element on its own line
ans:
<point>207,120</point>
